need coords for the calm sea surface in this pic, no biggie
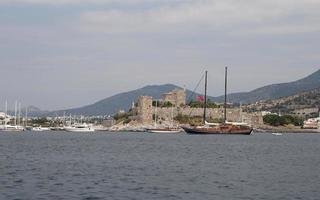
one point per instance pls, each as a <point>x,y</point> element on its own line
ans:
<point>142,166</point>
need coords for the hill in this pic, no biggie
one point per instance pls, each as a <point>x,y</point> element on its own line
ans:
<point>33,111</point>
<point>120,101</point>
<point>124,100</point>
<point>306,102</point>
<point>275,91</point>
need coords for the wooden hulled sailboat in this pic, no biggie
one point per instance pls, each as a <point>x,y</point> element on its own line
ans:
<point>217,128</point>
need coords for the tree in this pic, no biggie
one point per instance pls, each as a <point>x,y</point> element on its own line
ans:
<point>272,119</point>
<point>276,120</point>
<point>156,103</point>
<point>167,104</point>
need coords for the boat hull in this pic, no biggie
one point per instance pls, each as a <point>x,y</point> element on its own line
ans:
<point>79,128</point>
<point>9,128</point>
<point>85,130</point>
<point>217,131</point>
<point>159,130</point>
<point>39,129</point>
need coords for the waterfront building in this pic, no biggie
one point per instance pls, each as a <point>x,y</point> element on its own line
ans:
<point>312,123</point>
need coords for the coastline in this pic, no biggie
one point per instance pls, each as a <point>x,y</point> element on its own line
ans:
<point>285,130</point>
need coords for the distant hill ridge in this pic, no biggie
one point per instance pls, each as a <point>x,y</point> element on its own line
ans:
<point>276,91</point>
<point>31,111</point>
<point>124,100</point>
<point>120,101</point>
<point>310,99</point>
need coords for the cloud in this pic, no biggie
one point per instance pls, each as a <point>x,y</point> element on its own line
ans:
<point>86,2</point>
<point>239,16</point>
<point>133,39</point>
<point>54,2</point>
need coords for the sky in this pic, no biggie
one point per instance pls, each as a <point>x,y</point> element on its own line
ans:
<point>58,54</point>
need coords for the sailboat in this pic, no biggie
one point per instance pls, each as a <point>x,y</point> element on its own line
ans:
<point>165,129</point>
<point>15,127</point>
<point>218,128</point>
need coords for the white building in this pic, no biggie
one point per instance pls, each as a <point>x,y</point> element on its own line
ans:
<point>312,123</point>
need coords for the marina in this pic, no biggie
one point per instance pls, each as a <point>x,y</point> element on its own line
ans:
<point>159,100</point>
<point>179,110</point>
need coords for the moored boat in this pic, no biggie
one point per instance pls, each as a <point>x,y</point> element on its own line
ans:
<point>39,128</point>
<point>168,129</point>
<point>81,127</point>
<point>56,128</point>
<point>217,128</point>
<point>12,128</point>
<point>8,127</point>
<point>164,130</point>
<point>220,129</point>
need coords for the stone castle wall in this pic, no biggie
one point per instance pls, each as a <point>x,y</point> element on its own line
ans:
<point>177,97</point>
<point>234,114</point>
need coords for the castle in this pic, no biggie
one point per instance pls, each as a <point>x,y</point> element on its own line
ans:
<point>146,109</point>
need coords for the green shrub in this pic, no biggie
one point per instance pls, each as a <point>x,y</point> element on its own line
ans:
<point>276,120</point>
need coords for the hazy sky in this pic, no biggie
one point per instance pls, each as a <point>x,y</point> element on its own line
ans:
<point>58,54</point>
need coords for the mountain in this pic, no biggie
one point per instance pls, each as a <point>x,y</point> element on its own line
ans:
<point>33,111</point>
<point>120,101</point>
<point>305,100</point>
<point>113,104</point>
<point>275,91</point>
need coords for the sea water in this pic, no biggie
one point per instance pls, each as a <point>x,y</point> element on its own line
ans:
<point>60,165</point>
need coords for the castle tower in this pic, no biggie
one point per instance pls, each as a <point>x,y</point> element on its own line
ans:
<point>145,109</point>
<point>177,97</point>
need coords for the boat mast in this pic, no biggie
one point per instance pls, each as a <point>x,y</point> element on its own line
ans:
<point>155,114</point>
<point>26,121</point>
<point>19,113</point>
<point>171,116</point>
<point>240,110</point>
<point>15,113</point>
<point>6,113</point>
<point>225,94</point>
<point>205,98</point>
<point>64,118</point>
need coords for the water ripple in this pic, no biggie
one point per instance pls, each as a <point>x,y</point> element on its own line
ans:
<point>151,166</point>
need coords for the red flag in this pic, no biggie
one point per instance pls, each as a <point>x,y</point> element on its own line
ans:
<point>200,98</point>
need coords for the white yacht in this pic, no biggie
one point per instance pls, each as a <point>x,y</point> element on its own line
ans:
<point>6,119</point>
<point>79,127</point>
<point>11,128</point>
<point>39,129</point>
